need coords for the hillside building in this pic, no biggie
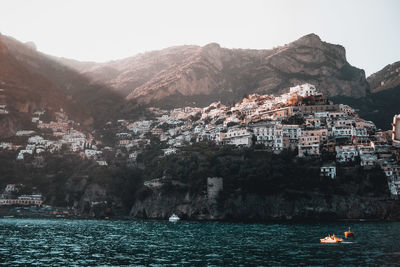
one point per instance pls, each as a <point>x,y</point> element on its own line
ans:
<point>396,131</point>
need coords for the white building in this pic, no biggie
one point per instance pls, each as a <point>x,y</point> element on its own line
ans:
<point>304,90</point>
<point>133,156</point>
<point>36,140</point>
<point>342,131</point>
<point>12,188</point>
<point>313,122</point>
<point>154,183</point>
<point>328,170</point>
<point>367,159</point>
<point>238,137</point>
<point>264,131</point>
<point>91,153</point>
<point>169,151</point>
<point>396,131</point>
<point>24,133</point>
<point>3,109</point>
<point>321,114</point>
<point>346,153</point>
<point>22,152</point>
<point>292,131</point>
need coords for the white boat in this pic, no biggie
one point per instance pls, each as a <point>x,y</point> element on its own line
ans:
<point>174,218</point>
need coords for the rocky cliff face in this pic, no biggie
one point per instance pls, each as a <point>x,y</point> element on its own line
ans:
<point>91,198</point>
<point>210,73</point>
<point>385,79</point>
<point>294,206</point>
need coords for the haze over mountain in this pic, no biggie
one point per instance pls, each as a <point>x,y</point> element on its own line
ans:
<point>23,92</point>
<point>185,74</point>
<point>32,80</point>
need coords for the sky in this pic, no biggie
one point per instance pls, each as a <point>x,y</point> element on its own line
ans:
<point>103,30</point>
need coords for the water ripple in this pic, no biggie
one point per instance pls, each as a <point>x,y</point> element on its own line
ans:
<point>155,243</point>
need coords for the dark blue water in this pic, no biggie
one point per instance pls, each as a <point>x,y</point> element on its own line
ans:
<point>80,242</point>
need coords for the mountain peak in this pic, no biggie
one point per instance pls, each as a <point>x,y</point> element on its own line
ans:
<point>311,40</point>
<point>211,46</point>
<point>311,36</point>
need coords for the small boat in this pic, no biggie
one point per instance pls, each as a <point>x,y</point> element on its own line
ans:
<point>348,233</point>
<point>174,218</point>
<point>331,239</point>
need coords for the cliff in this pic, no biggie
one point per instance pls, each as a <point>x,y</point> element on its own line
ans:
<point>286,206</point>
<point>260,186</point>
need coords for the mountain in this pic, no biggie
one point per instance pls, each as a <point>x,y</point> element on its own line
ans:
<point>385,79</point>
<point>382,102</point>
<point>32,80</point>
<point>185,74</point>
<point>22,92</point>
<point>92,93</point>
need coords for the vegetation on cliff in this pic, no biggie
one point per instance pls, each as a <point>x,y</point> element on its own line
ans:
<point>64,178</point>
<point>261,172</point>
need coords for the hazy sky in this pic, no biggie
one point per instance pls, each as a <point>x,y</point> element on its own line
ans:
<point>104,30</point>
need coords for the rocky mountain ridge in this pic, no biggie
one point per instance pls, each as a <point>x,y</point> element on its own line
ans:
<point>186,74</point>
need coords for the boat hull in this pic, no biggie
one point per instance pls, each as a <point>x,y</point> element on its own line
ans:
<point>174,218</point>
<point>348,234</point>
<point>330,242</point>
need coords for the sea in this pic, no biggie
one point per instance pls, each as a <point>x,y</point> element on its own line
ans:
<point>64,242</point>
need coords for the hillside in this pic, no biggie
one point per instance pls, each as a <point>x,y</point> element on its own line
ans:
<point>34,80</point>
<point>382,103</point>
<point>185,74</point>
<point>385,79</point>
<point>22,92</point>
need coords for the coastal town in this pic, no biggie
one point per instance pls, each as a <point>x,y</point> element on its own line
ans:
<point>301,120</point>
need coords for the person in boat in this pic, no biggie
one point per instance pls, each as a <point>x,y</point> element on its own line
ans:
<point>348,233</point>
